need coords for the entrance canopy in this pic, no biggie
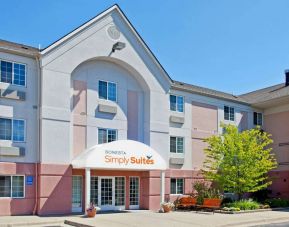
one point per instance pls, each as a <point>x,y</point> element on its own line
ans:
<point>120,155</point>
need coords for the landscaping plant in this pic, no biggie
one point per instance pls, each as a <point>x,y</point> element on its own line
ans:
<point>248,204</point>
<point>239,161</point>
<point>277,202</point>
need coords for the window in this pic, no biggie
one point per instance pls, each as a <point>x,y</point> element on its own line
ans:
<point>12,129</point>
<point>107,90</point>
<point>106,135</point>
<point>229,113</point>
<point>177,103</point>
<point>12,186</point>
<point>13,73</point>
<point>177,186</point>
<point>258,118</point>
<point>176,144</point>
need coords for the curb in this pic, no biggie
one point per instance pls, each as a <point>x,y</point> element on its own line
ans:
<point>32,223</point>
<point>251,211</point>
<point>76,224</point>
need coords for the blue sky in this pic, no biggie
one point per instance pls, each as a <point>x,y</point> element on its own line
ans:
<point>233,46</point>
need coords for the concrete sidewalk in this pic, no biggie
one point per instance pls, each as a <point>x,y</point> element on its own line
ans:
<point>149,218</point>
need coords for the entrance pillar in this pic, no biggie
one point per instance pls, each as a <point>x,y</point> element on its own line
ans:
<point>87,188</point>
<point>162,186</point>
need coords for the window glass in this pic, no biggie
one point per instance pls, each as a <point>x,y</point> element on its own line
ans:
<point>180,145</point>
<point>177,186</point>
<point>18,130</point>
<point>111,135</point>
<point>173,186</point>
<point>111,91</point>
<point>19,74</point>
<point>5,186</point>
<point>176,144</point>
<point>173,101</point>
<point>106,135</point>
<point>180,104</point>
<point>17,186</point>
<point>102,136</point>
<point>258,118</point>
<point>6,72</point>
<point>5,129</point>
<point>229,113</point>
<point>102,89</point>
<point>173,141</point>
<point>177,103</point>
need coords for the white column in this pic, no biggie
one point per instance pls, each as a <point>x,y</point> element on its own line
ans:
<point>87,187</point>
<point>162,186</point>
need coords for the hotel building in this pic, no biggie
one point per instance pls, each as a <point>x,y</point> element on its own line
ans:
<point>94,117</point>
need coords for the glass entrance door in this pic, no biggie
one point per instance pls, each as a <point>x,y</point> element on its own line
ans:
<point>76,205</point>
<point>133,193</point>
<point>106,193</point>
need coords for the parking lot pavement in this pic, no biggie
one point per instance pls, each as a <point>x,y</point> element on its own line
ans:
<point>150,218</point>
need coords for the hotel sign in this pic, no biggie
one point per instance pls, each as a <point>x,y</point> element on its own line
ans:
<point>121,154</point>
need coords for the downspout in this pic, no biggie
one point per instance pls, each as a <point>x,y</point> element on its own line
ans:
<point>38,153</point>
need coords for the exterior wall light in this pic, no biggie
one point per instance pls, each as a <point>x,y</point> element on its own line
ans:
<point>118,46</point>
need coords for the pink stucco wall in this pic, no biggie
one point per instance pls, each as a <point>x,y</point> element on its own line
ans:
<point>204,124</point>
<point>21,206</point>
<point>79,116</point>
<point>277,124</point>
<point>54,191</point>
<point>132,115</point>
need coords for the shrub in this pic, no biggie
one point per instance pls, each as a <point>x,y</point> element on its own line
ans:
<point>226,200</point>
<point>204,191</point>
<point>261,195</point>
<point>245,204</point>
<point>277,202</point>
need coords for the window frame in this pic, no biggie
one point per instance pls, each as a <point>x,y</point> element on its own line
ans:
<point>11,187</point>
<point>107,82</point>
<point>257,118</point>
<point>116,135</point>
<point>12,83</point>
<point>183,97</point>
<point>183,182</point>
<point>176,145</point>
<point>12,129</point>
<point>230,108</point>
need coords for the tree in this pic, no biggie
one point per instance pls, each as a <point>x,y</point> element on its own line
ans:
<point>239,162</point>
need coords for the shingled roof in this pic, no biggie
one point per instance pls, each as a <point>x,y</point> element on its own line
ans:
<point>208,92</point>
<point>266,94</point>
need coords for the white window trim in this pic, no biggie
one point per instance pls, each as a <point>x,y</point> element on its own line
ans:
<point>116,85</point>
<point>176,145</point>
<point>12,130</point>
<point>11,193</point>
<point>229,120</point>
<point>177,103</point>
<point>177,185</point>
<point>107,133</point>
<point>14,62</point>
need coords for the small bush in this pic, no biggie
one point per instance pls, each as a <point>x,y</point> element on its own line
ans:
<point>277,202</point>
<point>245,204</point>
<point>226,200</point>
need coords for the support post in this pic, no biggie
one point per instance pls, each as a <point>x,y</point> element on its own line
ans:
<point>162,186</point>
<point>87,188</point>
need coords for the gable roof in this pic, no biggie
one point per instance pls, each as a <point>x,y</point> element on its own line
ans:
<point>18,48</point>
<point>266,94</point>
<point>96,18</point>
<point>208,92</point>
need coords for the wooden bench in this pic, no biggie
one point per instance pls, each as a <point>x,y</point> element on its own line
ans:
<point>187,202</point>
<point>210,204</point>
